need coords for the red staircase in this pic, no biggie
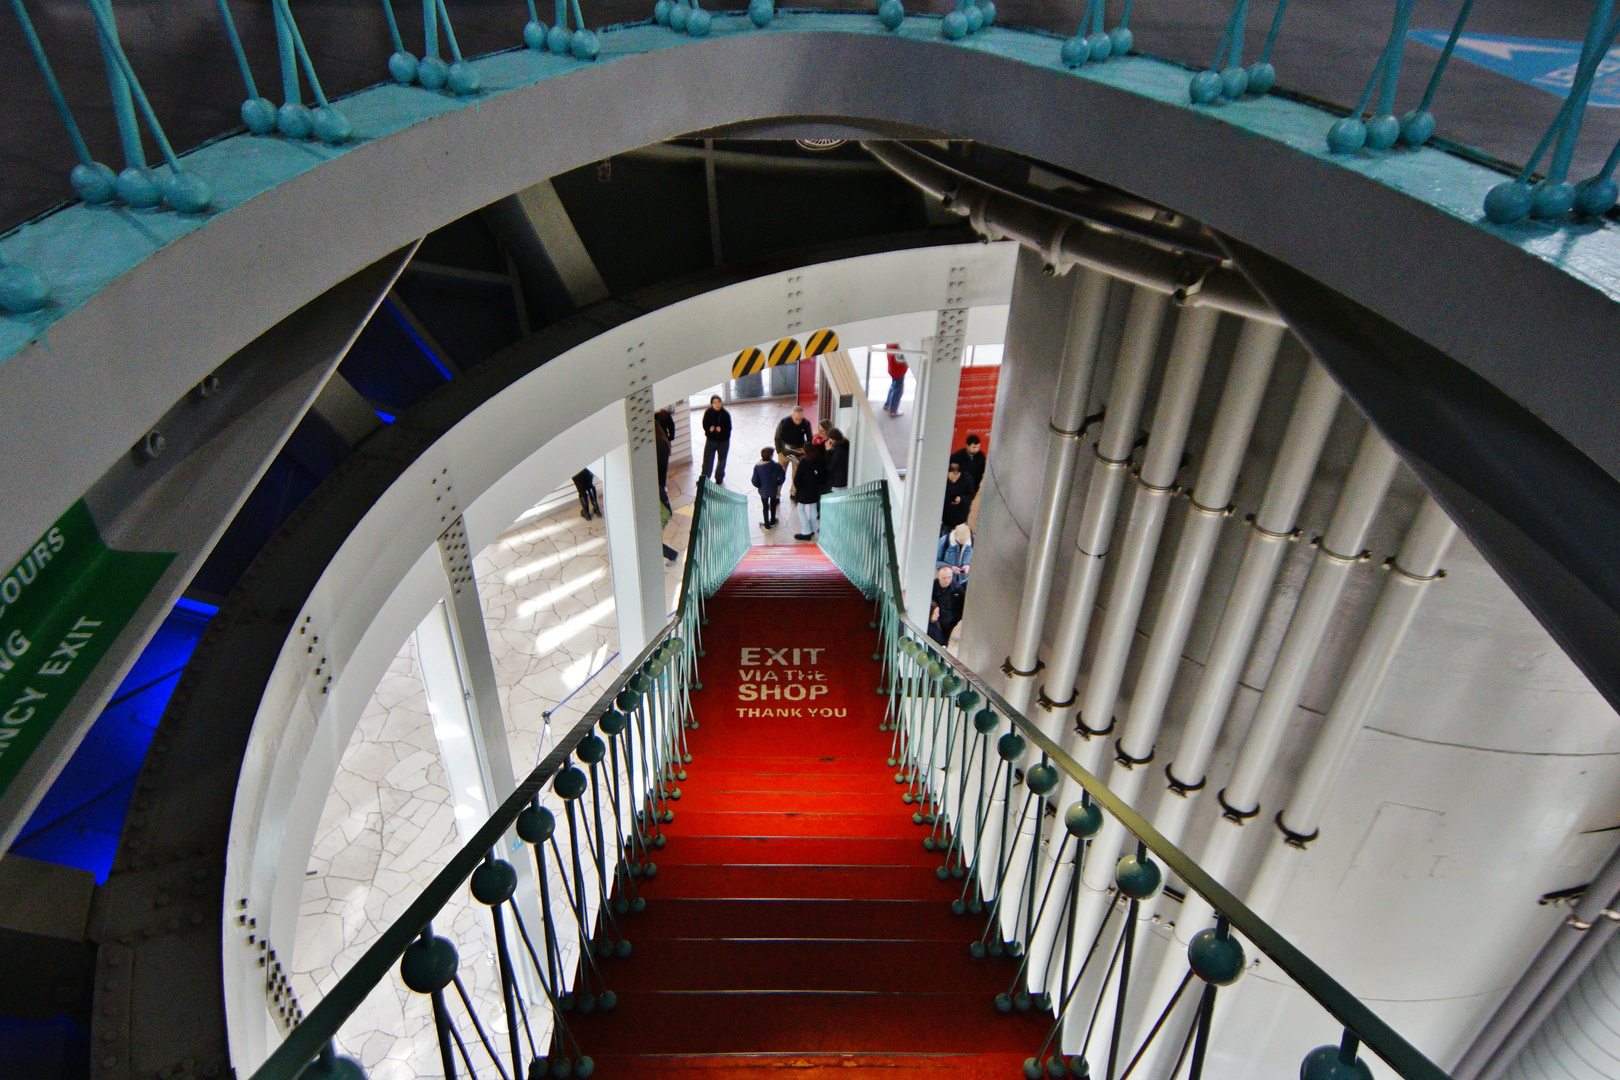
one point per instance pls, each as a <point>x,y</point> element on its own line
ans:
<point>796,923</point>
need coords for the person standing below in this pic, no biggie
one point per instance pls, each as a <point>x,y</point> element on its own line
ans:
<point>589,504</point>
<point>809,484</point>
<point>955,552</point>
<point>661,446</point>
<point>972,459</point>
<point>768,478</point>
<point>897,382</point>
<point>792,435</point>
<point>946,609</point>
<point>837,450</point>
<point>716,439</point>
<point>959,492</point>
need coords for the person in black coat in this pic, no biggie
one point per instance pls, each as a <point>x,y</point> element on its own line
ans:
<point>809,484</point>
<point>792,435</point>
<point>959,492</point>
<point>945,611</point>
<point>972,459</point>
<point>837,450</point>
<point>716,439</point>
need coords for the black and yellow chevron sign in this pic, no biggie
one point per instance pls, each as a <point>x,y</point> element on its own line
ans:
<point>784,352</point>
<point>821,343</point>
<point>749,362</point>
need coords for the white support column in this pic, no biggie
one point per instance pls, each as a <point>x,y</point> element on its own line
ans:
<point>933,423</point>
<point>635,545</point>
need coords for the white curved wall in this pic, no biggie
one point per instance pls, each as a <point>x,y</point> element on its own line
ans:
<point>490,468</point>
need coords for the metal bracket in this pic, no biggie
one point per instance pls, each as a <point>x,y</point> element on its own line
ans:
<point>1232,813</point>
<point>1292,838</point>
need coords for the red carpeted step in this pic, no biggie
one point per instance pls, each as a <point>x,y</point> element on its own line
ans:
<point>703,797</point>
<point>718,763</point>
<point>918,920</point>
<point>774,964</point>
<point>799,851</point>
<point>781,783</point>
<point>1006,1066</point>
<point>797,882</point>
<point>818,1023</point>
<point>703,823</point>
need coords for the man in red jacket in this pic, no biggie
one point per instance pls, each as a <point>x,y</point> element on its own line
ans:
<point>897,381</point>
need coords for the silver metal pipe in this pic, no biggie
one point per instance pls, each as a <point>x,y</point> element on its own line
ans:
<point>1184,374</point>
<point>1178,396</point>
<point>1412,571</point>
<point>1062,449</point>
<point>1067,241</point>
<point>1131,370</point>
<point>1274,526</point>
<point>1252,364</point>
<point>1337,554</point>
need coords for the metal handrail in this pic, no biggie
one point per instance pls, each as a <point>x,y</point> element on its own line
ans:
<point>305,1041</point>
<point>1344,1006</point>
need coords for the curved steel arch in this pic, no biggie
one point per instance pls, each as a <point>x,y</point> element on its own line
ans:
<point>294,219</point>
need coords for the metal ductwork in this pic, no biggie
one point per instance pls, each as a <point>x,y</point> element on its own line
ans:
<point>1135,252</point>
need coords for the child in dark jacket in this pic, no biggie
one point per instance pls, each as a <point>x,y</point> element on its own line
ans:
<point>768,478</point>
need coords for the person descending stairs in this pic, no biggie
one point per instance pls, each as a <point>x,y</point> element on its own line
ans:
<point>796,921</point>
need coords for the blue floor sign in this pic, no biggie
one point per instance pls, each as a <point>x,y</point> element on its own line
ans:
<point>1546,63</point>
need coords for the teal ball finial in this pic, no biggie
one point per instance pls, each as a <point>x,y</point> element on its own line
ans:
<point>612,722</point>
<point>562,1068</point>
<point>1083,820</point>
<point>295,121</point>
<point>639,682</point>
<point>493,882</point>
<point>661,11</point>
<point>952,684</point>
<point>463,79</point>
<point>1100,47</point>
<point>1079,1068</point>
<point>936,670</point>
<point>22,290</point>
<point>1508,202</point>
<point>585,1066</point>
<point>1138,877</point>
<point>968,700</point>
<point>985,721</point>
<point>955,26</point>
<point>1075,52</point>
<point>699,23</point>
<point>1215,959</point>
<point>1123,40</point>
<point>135,187</point>
<point>626,701</point>
<point>186,193</point>
<point>891,13</point>
<point>1417,128</point>
<point>678,16</point>
<point>1010,746</point>
<point>331,1066</point>
<point>1262,77</point>
<point>1382,132</point>
<point>402,68</point>
<point>1552,199</point>
<point>432,73</point>
<point>987,8</point>
<point>560,40</point>
<point>534,35</point>
<point>569,783</point>
<point>429,963</point>
<point>760,12</point>
<point>1596,197</point>
<point>95,182</point>
<point>1234,82</point>
<point>1042,779</point>
<point>331,126</point>
<point>535,825</point>
<point>1347,135</point>
<point>259,116</point>
<point>591,749</point>
<point>1205,88</point>
<point>975,18</point>
<point>1324,1063</point>
<point>1032,1068</point>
